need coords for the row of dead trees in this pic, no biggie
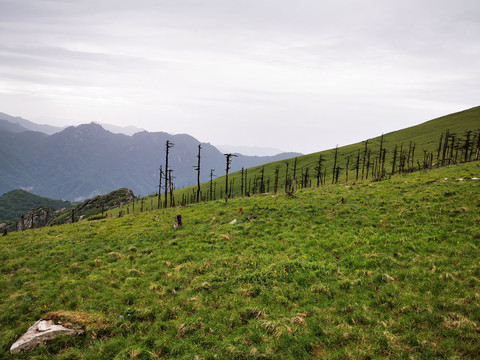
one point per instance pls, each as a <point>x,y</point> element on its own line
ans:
<point>374,163</point>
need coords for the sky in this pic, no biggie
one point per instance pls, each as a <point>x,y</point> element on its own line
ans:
<point>303,75</point>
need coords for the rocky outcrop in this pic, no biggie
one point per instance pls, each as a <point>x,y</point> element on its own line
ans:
<point>44,216</point>
<point>39,333</point>
<point>105,202</point>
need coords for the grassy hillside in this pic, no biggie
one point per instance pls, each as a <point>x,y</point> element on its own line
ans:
<point>425,137</point>
<point>391,271</point>
<point>16,203</point>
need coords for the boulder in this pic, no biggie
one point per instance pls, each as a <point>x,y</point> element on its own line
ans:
<point>38,333</point>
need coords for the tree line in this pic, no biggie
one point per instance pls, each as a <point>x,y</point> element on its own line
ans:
<point>373,161</point>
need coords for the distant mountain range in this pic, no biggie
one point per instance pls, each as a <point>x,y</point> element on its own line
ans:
<point>18,124</point>
<point>249,150</point>
<point>84,161</point>
<point>22,124</point>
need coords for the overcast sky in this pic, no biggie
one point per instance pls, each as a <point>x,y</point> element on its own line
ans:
<point>297,75</point>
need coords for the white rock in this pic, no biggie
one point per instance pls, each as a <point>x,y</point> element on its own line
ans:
<point>45,325</point>
<point>233,222</point>
<point>38,333</point>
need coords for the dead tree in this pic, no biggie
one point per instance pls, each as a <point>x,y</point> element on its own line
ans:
<point>295,172</point>
<point>357,165</point>
<point>452,147</point>
<point>425,159</point>
<point>228,162</point>
<point>383,164</point>
<point>381,155</point>
<point>445,147</point>
<point>477,152</point>
<point>394,160</point>
<point>368,163</point>
<point>337,174</point>
<point>364,157</point>
<point>241,185</point>
<point>197,168</point>
<point>318,168</point>
<point>334,171</point>
<point>346,169</point>
<point>408,156</point>
<point>286,179</point>
<point>168,146</point>
<point>159,188</point>
<point>170,185</point>
<point>275,182</point>
<point>262,183</point>
<point>413,155</point>
<point>439,148</point>
<point>466,146</point>
<point>211,182</point>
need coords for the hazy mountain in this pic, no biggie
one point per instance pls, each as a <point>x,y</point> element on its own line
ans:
<point>126,130</point>
<point>28,125</point>
<point>250,150</point>
<point>6,125</point>
<point>18,124</point>
<point>87,160</point>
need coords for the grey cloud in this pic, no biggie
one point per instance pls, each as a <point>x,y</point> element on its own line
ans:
<point>202,61</point>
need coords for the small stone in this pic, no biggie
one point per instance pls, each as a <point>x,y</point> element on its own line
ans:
<point>233,222</point>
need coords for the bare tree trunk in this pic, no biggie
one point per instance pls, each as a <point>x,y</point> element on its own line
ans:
<point>334,164</point>
<point>275,183</point>
<point>168,145</point>
<point>394,160</point>
<point>211,182</point>
<point>229,161</point>
<point>295,172</point>
<point>198,172</point>
<point>346,170</point>
<point>286,178</point>
<point>262,183</point>
<point>241,185</point>
<point>319,170</point>
<point>159,189</point>
<point>364,157</point>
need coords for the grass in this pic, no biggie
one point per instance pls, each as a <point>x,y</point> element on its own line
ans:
<point>425,137</point>
<point>390,272</point>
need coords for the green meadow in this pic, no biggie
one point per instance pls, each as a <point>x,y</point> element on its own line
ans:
<point>422,141</point>
<point>374,270</point>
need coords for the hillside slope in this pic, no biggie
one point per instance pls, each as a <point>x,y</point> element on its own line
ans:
<point>16,203</point>
<point>390,271</point>
<point>420,141</point>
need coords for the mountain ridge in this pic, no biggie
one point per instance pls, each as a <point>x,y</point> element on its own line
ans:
<point>83,161</point>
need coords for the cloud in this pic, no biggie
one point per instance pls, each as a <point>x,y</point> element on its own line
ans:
<point>343,68</point>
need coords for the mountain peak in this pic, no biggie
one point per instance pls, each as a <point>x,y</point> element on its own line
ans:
<point>85,129</point>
